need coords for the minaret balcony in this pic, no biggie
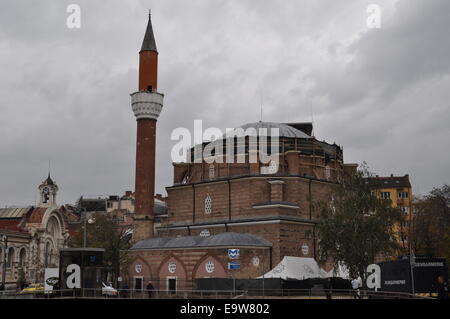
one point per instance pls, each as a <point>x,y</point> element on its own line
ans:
<point>146,104</point>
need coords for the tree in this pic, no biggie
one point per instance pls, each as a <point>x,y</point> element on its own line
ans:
<point>106,232</point>
<point>355,226</point>
<point>21,281</point>
<point>431,224</point>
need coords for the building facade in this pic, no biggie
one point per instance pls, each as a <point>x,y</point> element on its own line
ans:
<point>397,189</point>
<point>32,236</point>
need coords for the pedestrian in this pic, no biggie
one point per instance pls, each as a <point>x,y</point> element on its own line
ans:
<point>355,287</point>
<point>150,289</point>
<point>328,288</point>
<point>442,288</point>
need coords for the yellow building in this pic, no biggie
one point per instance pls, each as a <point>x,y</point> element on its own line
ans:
<point>398,190</point>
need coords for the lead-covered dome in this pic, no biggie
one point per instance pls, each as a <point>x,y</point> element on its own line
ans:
<point>284,130</point>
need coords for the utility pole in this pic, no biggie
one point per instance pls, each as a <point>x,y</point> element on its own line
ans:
<point>86,221</point>
<point>412,260</point>
<point>84,237</point>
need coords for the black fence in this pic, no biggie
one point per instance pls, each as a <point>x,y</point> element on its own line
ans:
<point>208,294</point>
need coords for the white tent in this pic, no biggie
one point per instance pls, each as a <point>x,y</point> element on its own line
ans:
<point>301,268</point>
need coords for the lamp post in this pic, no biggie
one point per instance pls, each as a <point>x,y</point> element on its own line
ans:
<point>5,251</point>
<point>90,221</point>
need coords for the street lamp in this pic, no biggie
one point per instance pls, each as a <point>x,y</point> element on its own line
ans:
<point>90,221</point>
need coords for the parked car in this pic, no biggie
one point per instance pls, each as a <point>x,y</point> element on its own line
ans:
<point>109,291</point>
<point>33,288</point>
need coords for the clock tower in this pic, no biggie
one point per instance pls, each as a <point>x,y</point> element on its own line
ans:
<point>47,193</point>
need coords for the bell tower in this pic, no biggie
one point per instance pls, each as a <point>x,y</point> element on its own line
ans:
<point>147,104</point>
<point>47,193</point>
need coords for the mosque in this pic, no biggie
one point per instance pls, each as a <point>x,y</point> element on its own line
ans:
<point>234,219</point>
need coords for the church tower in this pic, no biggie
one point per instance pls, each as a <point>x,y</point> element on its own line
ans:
<point>147,104</point>
<point>47,193</point>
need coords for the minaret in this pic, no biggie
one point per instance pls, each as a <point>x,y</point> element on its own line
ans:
<point>147,104</point>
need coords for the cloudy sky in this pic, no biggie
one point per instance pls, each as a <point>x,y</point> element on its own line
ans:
<point>383,94</point>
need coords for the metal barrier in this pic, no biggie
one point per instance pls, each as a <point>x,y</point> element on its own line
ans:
<point>211,294</point>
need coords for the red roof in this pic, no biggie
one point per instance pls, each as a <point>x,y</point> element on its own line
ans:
<point>11,225</point>
<point>36,215</point>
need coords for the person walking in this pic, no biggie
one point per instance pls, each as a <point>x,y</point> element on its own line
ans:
<point>355,286</point>
<point>150,289</point>
<point>328,288</point>
<point>442,288</point>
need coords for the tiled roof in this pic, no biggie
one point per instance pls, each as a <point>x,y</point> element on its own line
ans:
<point>11,225</point>
<point>16,212</point>
<point>227,239</point>
<point>37,214</point>
<point>389,182</point>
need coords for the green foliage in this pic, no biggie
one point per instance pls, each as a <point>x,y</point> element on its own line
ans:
<point>355,226</point>
<point>106,232</point>
<point>20,278</point>
<point>431,224</point>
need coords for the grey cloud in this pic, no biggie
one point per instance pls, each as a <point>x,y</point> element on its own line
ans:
<point>64,94</point>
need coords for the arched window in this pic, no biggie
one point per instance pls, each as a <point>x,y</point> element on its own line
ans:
<point>208,205</point>
<point>48,254</point>
<point>10,257</point>
<point>22,258</point>
<point>53,227</point>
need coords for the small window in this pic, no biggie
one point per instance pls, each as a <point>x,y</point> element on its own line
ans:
<point>205,233</point>
<point>273,167</point>
<point>211,171</point>
<point>402,195</point>
<point>208,205</point>
<point>22,258</point>
<point>209,267</point>
<point>385,195</point>
<point>172,267</point>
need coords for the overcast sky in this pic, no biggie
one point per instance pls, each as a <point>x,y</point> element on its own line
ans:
<point>383,94</point>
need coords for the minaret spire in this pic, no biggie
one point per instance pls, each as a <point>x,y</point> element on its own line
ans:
<point>149,43</point>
